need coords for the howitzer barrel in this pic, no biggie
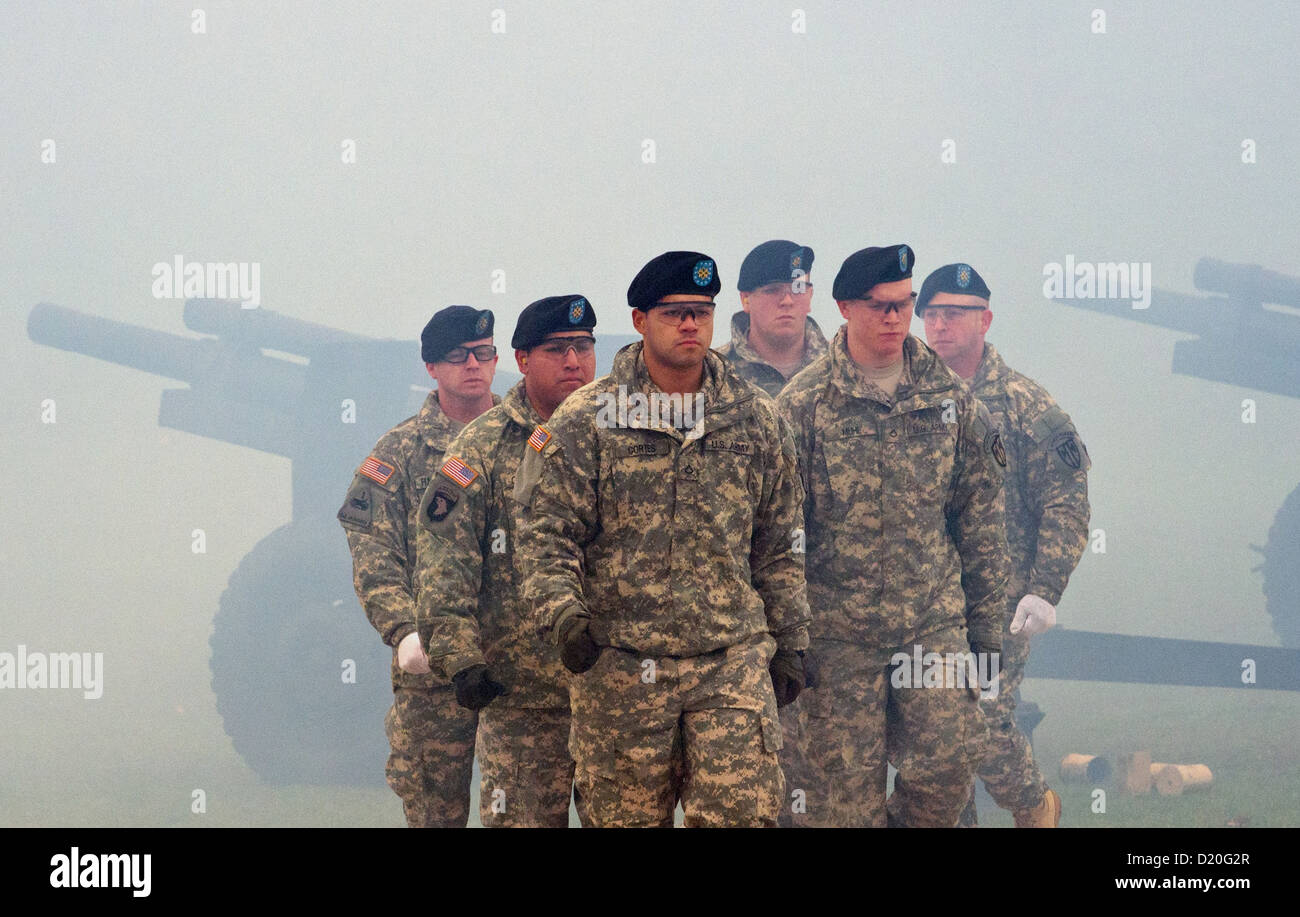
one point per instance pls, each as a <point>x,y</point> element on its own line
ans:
<point>263,328</point>
<point>232,370</point>
<point>1246,281</point>
<point>117,342</point>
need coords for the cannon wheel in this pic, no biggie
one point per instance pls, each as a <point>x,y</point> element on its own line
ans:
<point>1281,569</point>
<point>288,619</point>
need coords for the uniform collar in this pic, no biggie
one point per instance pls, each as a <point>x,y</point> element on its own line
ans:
<point>435,426</point>
<point>924,382</point>
<point>990,370</point>
<point>519,408</point>
<point>727,397</point>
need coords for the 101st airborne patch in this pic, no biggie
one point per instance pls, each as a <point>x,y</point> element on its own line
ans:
<point>441,504</point>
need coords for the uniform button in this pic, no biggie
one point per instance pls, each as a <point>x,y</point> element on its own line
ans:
<point>893,434</point>
<point>689,470</point>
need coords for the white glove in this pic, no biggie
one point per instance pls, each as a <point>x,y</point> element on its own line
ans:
<point>410,655</point>
<point>1034,616</point>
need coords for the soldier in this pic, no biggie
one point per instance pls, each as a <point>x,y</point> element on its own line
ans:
<point>661,557</point>
<point>432,737</point>
<point>471,613</point>
<point>906,556</point>
<point>1047,520</point>
<point>774,336</point>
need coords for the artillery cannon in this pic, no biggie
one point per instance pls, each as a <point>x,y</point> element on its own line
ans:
<point>289,615</point>
<point>1241,342</point>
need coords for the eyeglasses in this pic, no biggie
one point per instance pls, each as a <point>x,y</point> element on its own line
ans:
<point>559,349</point>
<point>884,308</point>
<point>795,288</point>
<point>949,314</point>
<point>482,353</point>
<point>674,314</point>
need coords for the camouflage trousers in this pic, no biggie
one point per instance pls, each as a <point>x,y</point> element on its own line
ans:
<point>842,735</point>
<point>432,757</point>
<point>527,771</point>
<point>1008,769</point>
<point>647,730</point>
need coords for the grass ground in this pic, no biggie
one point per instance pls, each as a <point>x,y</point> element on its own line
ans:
<point>1246,737</point>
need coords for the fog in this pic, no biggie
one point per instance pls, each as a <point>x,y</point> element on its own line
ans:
<point>380,161</point>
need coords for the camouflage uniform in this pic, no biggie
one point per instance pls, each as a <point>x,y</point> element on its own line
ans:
<point>753,368</point>
<point>906,546</point>
<point>1047,529</point>
<point>681,552</point>
<point>431,736</point>
<point>471,612</point>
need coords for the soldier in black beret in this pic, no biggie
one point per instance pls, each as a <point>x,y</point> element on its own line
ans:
<point>773,337</point>
<point>664,515</point>
<point>472,616</point>
<point>905,555</point>
<point>456,346</point>
<point>678,288</point>
<point>1047,515</point>
<point>555,331</point>
<point>431,736</point>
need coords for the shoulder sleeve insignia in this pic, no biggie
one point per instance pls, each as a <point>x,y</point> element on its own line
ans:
<point>441,502</point>
<point>541,436</point>
<point>376,470</point>
<point>357,512</point>
<point>993,441</point>
<point>1067,450</point>
<point>459,472</point>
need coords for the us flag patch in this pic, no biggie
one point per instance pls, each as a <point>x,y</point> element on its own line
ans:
<point>376,470</point>
<point>459,472</point>
<point>541,436</point>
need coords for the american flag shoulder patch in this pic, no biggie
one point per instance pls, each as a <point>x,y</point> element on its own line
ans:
<point>376,470</point>
<point>459,472</point>
<point>541,436</point>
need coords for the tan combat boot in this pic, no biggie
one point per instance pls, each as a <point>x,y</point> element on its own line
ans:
<point>1047,814</point>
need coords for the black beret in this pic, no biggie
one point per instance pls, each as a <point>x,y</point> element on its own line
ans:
<point>777,261</point>
<point>863,269</point>
<point>673,272</point>
<point>451,327</point>
<point>549,315</point>
<point>952,278</point>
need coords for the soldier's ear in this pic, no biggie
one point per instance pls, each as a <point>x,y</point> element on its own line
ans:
<point>638,321</point>
<point>433,373</point>
<point>986,319</point>
<point>744,301</point>
<point>521,358</point>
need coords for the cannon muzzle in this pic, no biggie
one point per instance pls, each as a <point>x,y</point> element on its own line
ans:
<point>157,352</point>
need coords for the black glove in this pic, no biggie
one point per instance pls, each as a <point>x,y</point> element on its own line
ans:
<point>475,688</point>
<point>995,656</point>
<point>811,670</point>
<point>787,674</point>
<point>578,651</point>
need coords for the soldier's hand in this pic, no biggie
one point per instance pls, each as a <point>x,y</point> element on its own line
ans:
<point>1033,616</point>
<point>787,673</point>
<point>578,651</point>
<point>475,688</point>
<point>410,655</point>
